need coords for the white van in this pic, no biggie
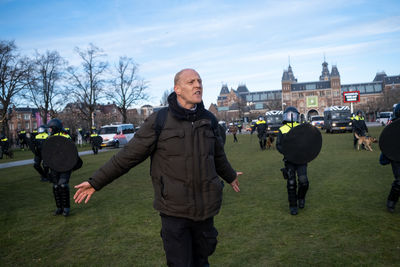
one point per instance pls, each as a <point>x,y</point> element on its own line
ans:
<point>116,135</point>
<point>384,117</point>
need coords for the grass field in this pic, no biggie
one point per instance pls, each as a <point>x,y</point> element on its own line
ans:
<point>344,223</point>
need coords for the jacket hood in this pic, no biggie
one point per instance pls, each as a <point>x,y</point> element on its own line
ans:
<point>182,113</point>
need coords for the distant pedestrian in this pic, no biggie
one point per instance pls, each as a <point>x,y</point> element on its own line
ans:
<point>233,129</point>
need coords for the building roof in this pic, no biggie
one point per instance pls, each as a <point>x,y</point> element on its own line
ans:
<point>392,79</point>
<point>242,89</point>
<point>380,76</point>
<point>224,90</point>
<point>334,71</point>
<point>288,75</point>
<point>325,75</point>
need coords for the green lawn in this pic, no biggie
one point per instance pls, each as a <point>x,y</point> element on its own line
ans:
<point>345,221</point>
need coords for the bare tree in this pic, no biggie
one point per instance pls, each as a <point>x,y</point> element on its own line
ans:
<point>13,78</point>
<point>86,83</point>
<point>164,97</point>
<point>43,91</point>
<point>127,87</point>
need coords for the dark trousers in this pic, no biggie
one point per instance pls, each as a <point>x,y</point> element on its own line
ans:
<point>234,138</point>
<point>293,194</point>
<point>187,242</point>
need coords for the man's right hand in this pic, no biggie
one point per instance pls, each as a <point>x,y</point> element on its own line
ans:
<point>85,190</point>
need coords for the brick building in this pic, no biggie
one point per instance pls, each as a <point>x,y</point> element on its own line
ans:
<point>311,98</point>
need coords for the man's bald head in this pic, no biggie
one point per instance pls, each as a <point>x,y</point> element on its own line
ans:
<point>178,75</point>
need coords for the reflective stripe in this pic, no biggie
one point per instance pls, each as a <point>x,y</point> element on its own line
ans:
<point>260,122</point>
<point>63,135</point>
<point>287,127</point>
<point>42,136</point>
<point>3,140</point>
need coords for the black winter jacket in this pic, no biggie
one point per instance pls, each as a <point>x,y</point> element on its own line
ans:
<point>185,166</point>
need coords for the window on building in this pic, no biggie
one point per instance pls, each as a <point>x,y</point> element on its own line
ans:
<point>26,117</point>
<point>19,125</point>
<point>18,116</point>
<point>264,97</point>
<point>27,126</point>
<point>249,98</point>
<point>256,97</point>
<point>35,125</point>
<point>369,88</point>
<point>328,93</point>
<point>321,93</point>
<point>311,86</point>
<point>301,95</point>
<point>378,88</point>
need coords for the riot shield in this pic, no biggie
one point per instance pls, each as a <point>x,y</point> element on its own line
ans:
<point>302,144</point>
<point>389,141</point>
<point>59,153</point>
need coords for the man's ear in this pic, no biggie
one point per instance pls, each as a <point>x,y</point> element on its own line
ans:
<point>177,90</point>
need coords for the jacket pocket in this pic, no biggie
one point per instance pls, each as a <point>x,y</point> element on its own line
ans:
<point>172,142</point>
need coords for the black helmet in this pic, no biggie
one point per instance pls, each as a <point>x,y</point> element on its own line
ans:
<point>261,118</point>
<point>359,113</point>
<point>396,111</point>
<point>291,114</point>
<point>55,125</point>
<point>42,129</point>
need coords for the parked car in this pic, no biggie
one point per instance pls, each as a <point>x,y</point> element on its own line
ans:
<point>317,121</point>
<point>116,135</point>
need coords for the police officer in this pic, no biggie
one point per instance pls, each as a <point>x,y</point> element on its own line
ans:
<point>240,126</point>
<point>291,118</point>
<point>60,179</point>
<point>359,127</point>
<point>395,190</point>
<point>5,144</point>
<point>40,138</point>
<point>93,136</point>
<point>261,126</point>
<point>22,139</point>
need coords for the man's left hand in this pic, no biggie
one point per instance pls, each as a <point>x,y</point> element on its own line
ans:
<point>235,183</point>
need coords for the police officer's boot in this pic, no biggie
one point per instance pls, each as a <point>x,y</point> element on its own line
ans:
<point>393,196</point>
<point>303,188</point>
<point>65,199</point>
<point>264,144</point>
<point>57,198</point>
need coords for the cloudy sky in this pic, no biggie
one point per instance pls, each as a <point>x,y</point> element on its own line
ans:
<point>227,42</point>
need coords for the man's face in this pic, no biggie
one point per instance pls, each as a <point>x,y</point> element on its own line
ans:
<point>189,89</point>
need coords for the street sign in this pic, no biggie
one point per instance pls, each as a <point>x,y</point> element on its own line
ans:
<point>351,96</point>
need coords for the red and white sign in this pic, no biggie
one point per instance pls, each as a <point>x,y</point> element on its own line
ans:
<point>351,96</point>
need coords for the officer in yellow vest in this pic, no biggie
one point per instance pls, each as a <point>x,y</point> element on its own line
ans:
<point>40,138</point>
<point>60,179</point>
<point>4,146</point>
<point>262,127</point>
<point>93,135</point>
<point>359,127</point>
<point>291,118</point>
<point>22,139</point>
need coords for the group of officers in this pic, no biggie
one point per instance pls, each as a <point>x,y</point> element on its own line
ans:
<point>35,142</point>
